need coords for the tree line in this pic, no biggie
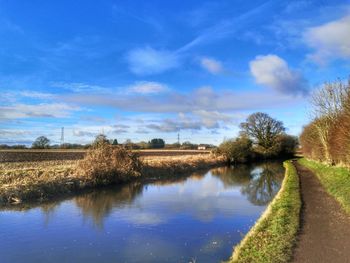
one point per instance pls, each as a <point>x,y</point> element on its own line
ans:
<point>42,142</point>
<point>261,137</point>
<point>327,137</point>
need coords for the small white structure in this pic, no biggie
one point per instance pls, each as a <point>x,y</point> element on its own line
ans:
<point>202,147</point>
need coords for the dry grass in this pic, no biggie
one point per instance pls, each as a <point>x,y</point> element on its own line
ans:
<point>39,181</point>
<point>25,181</point>
<point>33,165</point>
<point>106,164</point>
<point>172,165</point>
<point>35,155</point>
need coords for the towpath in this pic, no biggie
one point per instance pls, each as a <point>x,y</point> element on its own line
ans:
<point>325,228</point>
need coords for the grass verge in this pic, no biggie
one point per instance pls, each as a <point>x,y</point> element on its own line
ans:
<point>273,236</point>
<point>336,180</point>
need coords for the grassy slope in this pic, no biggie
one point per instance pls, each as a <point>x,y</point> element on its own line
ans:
<point>336,180</point>
<point>273,236</point>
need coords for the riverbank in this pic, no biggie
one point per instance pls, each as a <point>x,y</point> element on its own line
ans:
<point>274,234</point>
<point>335,180</point>
<point>41,181</point>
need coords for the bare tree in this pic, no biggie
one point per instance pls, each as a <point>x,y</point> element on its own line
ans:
<point>41,143</point>
<point>328,104</point>
<point>262,129</point>
<point>329,100</point>
<point>100,139</point>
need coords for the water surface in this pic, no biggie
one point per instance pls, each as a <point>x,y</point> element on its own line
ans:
<point>194,219</point>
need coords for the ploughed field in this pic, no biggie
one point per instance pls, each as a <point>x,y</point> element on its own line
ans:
<point>60,155</point>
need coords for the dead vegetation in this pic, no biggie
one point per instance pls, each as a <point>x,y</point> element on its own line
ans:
<point>40,181</point>
<point>170,166</point>
<point>105,164</point>
<point>327,138</point>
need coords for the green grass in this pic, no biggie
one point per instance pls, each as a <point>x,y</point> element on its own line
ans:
<point>336,180</point>
<point>273,236</point>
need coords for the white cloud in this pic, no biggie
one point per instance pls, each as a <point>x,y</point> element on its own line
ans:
<point>147,87</point>
<point>212,65</point>
<point>329,41</point>
<point>273,72</point>
<point>43,110</point>
<point>148,61</point>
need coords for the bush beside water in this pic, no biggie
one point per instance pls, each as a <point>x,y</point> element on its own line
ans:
<point>105,164</point>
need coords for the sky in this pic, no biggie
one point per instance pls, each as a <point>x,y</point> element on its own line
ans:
<point>155,69</point>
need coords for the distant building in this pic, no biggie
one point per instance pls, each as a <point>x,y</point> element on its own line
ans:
<point>202,147</point>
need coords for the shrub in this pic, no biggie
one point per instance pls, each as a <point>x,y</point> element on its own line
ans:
<point>311,144</point>
<point>238,150</point>
<point>156,143</point>
<point>104,164</point>
<point>327,137</point>
<point>286,145</point>
<point>339,139</point>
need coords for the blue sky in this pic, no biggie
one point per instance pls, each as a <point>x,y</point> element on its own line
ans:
<point>143,69</point>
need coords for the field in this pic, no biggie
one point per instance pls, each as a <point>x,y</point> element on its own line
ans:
<point>39,181</point>
<point>32,155</point>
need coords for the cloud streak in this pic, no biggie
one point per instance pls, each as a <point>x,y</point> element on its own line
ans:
<point>225,27</point>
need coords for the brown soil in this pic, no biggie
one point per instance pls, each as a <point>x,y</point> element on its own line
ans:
<point>325,227</point>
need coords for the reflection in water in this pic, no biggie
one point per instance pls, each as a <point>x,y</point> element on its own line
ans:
<point>175,220</point>
<point>265,183</point>
<point>49,210</point>
<point>99,204</point>
<point>259,183</point>
<point>234,175</point>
